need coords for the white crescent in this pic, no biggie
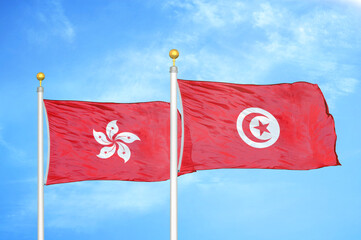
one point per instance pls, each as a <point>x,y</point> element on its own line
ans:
<point>260,140</point>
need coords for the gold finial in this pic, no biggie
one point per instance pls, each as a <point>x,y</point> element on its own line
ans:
<point>40,76</point>
<point>173,54</point>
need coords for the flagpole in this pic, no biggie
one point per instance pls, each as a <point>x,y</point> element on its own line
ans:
<point>40,76</point>
<point>173,148</point>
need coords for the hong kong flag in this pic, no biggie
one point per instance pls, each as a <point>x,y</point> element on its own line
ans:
<point>109,141</point>
<point>281,126</point>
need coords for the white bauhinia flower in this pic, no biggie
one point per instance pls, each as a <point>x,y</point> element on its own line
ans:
<point>108,151</point>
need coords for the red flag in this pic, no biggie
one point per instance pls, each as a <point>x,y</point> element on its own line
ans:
<point>282,126</point>
<point>109,141</point>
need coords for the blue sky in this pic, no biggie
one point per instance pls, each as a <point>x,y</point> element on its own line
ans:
<point>118,51</point>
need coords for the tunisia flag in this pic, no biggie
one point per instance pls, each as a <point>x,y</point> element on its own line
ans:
<point>281,126</point>
<point>109,141</point>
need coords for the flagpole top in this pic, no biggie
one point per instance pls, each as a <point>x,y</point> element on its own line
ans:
<point>173,54</point>
<point>40,76</point>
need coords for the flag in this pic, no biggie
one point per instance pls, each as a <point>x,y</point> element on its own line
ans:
<point>281,126</point>
<point>109,141</point>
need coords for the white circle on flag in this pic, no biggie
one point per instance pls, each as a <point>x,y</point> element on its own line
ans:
<point>257,127</point>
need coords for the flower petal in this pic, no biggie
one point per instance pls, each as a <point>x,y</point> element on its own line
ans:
<point>107,152</point>
<point>127,137</point>
<point>123,151</point>
<point>112,129</point>
<point>101,138</point>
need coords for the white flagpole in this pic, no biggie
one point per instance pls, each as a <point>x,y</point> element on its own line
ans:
<point>40,76</point>
<point>173,148</point>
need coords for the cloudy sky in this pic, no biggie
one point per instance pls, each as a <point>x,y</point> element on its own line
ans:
<point>118,51</point>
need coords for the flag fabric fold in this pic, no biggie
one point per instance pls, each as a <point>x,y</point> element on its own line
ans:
<point>281,126</point>
<point>109,141</point>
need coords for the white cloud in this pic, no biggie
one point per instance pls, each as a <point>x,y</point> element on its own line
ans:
<point>80,205</point>
<point>52,22</point>
<point>123,75</point>
<point>348,85</point>
<point>13,150</point>
<point>313,44</point>
<point>336,88</point>
<point>134,75</point>
<point>229,41</point>
<point>84,205</point>
<point>267,16</point>
<point>211,13</point>
<point>356,3</point>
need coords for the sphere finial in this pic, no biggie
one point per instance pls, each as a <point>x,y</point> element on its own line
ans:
<point>173,54</point>
<point>40,76</point>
